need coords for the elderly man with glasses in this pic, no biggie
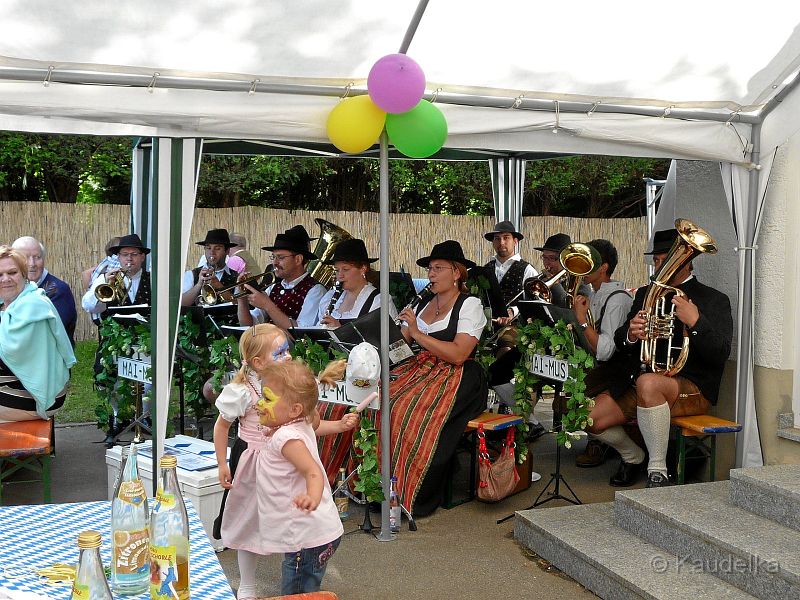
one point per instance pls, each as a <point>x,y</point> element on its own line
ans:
<point>294,300</point>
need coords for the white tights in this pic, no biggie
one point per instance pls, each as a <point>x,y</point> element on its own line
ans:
<point>247,574</point>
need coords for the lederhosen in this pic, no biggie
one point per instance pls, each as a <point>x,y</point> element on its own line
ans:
<point>290,300</point>
<point>469,401</point>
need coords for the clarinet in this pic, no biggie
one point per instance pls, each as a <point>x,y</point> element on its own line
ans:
<point>337,293</point>
<point>424,294</point>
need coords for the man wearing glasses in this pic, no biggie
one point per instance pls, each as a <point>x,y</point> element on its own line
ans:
<point>294,300</point>
<point>215,272</point>
<point>132,254</point>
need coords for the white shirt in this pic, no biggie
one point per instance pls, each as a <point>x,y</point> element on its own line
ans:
<point>617,309</point>
<point>501,268</point>
<point>471,319</point>
<point>188,277</point>
<point>354,312</point>
<point>309,314</point>
<point>93,306</point>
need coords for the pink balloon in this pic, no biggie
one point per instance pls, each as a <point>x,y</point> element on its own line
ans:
<point>396,83</point>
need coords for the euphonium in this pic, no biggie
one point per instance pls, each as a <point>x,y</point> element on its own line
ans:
<point>115,290</point>
<point>660,322</point>
<point>328,240</point>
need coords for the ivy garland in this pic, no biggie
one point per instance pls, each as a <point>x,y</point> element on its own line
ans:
<point>556,340</point>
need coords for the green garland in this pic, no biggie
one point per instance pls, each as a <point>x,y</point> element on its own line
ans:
<point>555,340</point>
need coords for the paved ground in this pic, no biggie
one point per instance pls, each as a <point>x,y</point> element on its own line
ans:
<point>457,553</point>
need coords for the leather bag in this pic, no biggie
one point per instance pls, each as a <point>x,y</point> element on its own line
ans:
<point>497,479</point>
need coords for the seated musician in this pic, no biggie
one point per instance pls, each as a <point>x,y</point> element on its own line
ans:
<point>132,254</point>
<point>57,290</point>
<point>706,314</point>
<point>35,352</point>
<point>608,308</point>
<point>294,300</point>
<point>353,296</point>
<point>438,391</point>
<point>216,272</point>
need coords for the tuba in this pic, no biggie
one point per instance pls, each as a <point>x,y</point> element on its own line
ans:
<point>329,238</point>
<point>660,322</point>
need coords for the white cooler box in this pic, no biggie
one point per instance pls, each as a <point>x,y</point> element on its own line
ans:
<point>200,486</point>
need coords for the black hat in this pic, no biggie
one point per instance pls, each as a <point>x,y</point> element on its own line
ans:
<point>129,241</point>
<point>556,243</point>
<point>662,241</point>
<point>447,250</point>
<point>300,232</point>
<point>293,241</point>
<point>217,236</point>
<point>504,227</point>
<point>350,250</point>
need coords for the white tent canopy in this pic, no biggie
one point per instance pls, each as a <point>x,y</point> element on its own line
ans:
<point>694,80</point>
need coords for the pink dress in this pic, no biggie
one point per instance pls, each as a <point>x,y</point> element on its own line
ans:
<point>259,515</point>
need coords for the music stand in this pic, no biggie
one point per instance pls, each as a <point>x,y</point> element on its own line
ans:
<point>368,329</point>
<point>130,316</point>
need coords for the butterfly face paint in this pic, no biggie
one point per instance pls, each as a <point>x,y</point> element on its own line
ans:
<point>266,405</point>
<point>281,353</point>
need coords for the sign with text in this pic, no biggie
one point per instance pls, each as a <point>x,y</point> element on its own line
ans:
<point>548,367</point>
<point>339,396</point>
<point>128,368</point>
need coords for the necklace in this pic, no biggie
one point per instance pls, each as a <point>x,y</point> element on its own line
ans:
<point>438,308</point>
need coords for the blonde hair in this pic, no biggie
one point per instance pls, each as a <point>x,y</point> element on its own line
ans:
<point>295,381</point>
<point>17,256</point>
<point>253,343</point>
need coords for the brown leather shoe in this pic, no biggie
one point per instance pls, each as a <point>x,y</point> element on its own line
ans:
<point>593,456</point>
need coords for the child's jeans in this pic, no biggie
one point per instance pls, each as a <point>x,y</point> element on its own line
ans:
<point>303,570</point>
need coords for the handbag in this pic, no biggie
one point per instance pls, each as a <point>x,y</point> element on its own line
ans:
<point>497,479</point>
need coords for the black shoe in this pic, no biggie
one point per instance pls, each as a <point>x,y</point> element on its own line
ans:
<point>657,479</point>
<point>535,431</point>
<point>593,456</point>
<point>626,475</point>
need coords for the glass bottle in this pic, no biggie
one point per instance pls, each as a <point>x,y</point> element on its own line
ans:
<point>340,495</point>
<point>169,537</point>
<point>90,580</point>
<point>130,556</point>
<point>395,514</point>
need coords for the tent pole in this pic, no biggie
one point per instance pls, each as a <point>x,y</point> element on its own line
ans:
<point>744,359</point>
<point>386,463</point>
<point>412,26</point>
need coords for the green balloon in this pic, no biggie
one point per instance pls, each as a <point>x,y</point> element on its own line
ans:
<point>418,133</point>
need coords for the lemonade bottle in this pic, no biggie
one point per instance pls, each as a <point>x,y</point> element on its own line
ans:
<point>169,538</point>
<point>130,562</point>
<point>90,580</point>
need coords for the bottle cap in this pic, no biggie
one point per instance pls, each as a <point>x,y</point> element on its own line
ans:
<point>89,539</point>
<point>168,461</point>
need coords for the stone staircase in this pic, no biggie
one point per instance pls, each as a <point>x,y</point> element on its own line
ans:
<point>728,539</point>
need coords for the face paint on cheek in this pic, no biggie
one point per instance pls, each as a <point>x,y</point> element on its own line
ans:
<point>266,405</point>
<point>281,353</point>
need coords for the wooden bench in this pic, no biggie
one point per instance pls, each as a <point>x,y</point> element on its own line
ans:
<point>700,432</point>
<point>490,422</point>
<point>26,445</point>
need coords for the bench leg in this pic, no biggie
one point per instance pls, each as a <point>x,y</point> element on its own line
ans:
<point>46,478</point>
<point>681,456</point>
<point>712,459</point>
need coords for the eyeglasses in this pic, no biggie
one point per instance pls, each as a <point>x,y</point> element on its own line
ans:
<point>280,257</point>
<point>129,254</point>
<point>550,257</point>
<point>438,268</point>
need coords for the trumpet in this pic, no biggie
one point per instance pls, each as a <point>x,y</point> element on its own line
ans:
<point>115,290</point>
<point>425,294</point>
<point>209,295</point>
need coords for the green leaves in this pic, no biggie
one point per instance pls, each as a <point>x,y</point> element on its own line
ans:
<point>369,474</point>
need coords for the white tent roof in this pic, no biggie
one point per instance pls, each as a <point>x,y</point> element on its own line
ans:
<point>701,63</point>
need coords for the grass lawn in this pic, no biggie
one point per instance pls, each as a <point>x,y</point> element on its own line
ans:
<point>81,398</point>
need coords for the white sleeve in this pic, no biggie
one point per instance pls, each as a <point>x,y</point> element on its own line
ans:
<point>617,309</point>
<point>89,302</point>
<point>530,271</point>
<point>309,313</point>
<point>471,319</point>
<point>188,282</point>
<point>233,401</point>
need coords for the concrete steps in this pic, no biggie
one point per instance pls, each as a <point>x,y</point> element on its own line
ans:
<point>736,539</point>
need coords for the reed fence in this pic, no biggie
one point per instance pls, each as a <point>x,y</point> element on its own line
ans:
<point>75,236</point>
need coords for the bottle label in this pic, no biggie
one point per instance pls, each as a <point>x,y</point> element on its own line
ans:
<point>132,492</point>
<point>169,574</point>
<point>342,505</point>
<point>130,551</point>
<point>164,500</point>
<point>80,591</point>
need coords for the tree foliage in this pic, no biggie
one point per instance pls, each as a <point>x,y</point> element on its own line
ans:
<point>98,169</point>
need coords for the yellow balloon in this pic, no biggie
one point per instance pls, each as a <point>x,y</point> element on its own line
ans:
<point>355,124</point>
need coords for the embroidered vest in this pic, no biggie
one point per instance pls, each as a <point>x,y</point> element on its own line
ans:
<point>142,295</point>
<point>290,301</point>
<point>512,281</point>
